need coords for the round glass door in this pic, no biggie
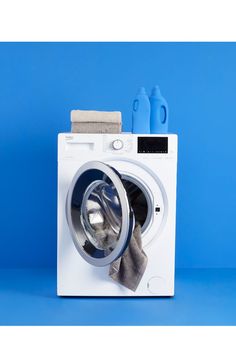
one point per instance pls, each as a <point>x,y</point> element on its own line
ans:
<point>99,214</point>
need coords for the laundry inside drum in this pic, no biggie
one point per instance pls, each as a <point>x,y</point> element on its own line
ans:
<point>139,201</point>
<point>101,215</point>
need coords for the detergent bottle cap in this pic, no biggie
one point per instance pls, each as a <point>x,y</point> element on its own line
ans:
<point>141,91</point>
<point>156,91</point>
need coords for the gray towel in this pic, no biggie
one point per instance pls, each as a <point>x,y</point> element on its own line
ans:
<point>130,267</point>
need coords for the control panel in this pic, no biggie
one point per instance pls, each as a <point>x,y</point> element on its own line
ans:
<point>147,146</point>
<point>74,146</point>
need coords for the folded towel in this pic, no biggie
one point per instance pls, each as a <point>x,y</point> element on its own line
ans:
<point>130,267</point>
<point>95,116</point>
<point>95,122</point>
<point>96,127</point>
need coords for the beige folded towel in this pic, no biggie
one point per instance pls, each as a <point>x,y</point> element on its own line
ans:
<point>79,116</point>
<point>95,122</point>
<point>92,128</point>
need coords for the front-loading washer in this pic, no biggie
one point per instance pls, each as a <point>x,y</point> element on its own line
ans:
<point>117,166</point>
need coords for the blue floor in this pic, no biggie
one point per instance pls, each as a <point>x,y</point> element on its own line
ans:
<point>203,297</point>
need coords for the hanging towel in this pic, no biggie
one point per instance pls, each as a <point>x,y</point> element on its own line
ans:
<point>95,122</point>
<point>130,267</point>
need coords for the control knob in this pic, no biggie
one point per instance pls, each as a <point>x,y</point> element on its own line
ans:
<point>117,144</point>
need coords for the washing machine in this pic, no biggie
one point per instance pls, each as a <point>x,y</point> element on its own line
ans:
<point>127,165</point>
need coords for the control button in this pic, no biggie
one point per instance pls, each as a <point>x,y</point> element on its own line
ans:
<point>117,144</point>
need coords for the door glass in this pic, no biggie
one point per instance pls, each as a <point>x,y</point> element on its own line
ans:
<point>101,215</point>
<point>96,213</point>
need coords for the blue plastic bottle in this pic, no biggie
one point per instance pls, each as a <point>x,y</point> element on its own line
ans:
<point>159,112</point>
<point>141,113</point>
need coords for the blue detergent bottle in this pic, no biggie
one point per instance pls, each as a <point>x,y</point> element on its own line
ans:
<point>141,113</point>
<point>159,112</point>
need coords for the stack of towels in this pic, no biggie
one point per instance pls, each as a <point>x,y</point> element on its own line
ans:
<point>95,122</point>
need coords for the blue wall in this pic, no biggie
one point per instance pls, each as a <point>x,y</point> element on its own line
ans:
<point>41,82</point>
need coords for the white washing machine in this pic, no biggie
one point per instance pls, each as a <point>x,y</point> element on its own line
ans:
<point>144,165</point>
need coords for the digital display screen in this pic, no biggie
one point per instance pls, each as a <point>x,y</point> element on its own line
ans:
<point>157,145</point>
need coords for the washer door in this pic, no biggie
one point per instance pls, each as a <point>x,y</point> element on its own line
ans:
<point>99,214</point>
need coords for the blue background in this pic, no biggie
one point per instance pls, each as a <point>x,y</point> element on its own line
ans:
<point>41,82</point>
